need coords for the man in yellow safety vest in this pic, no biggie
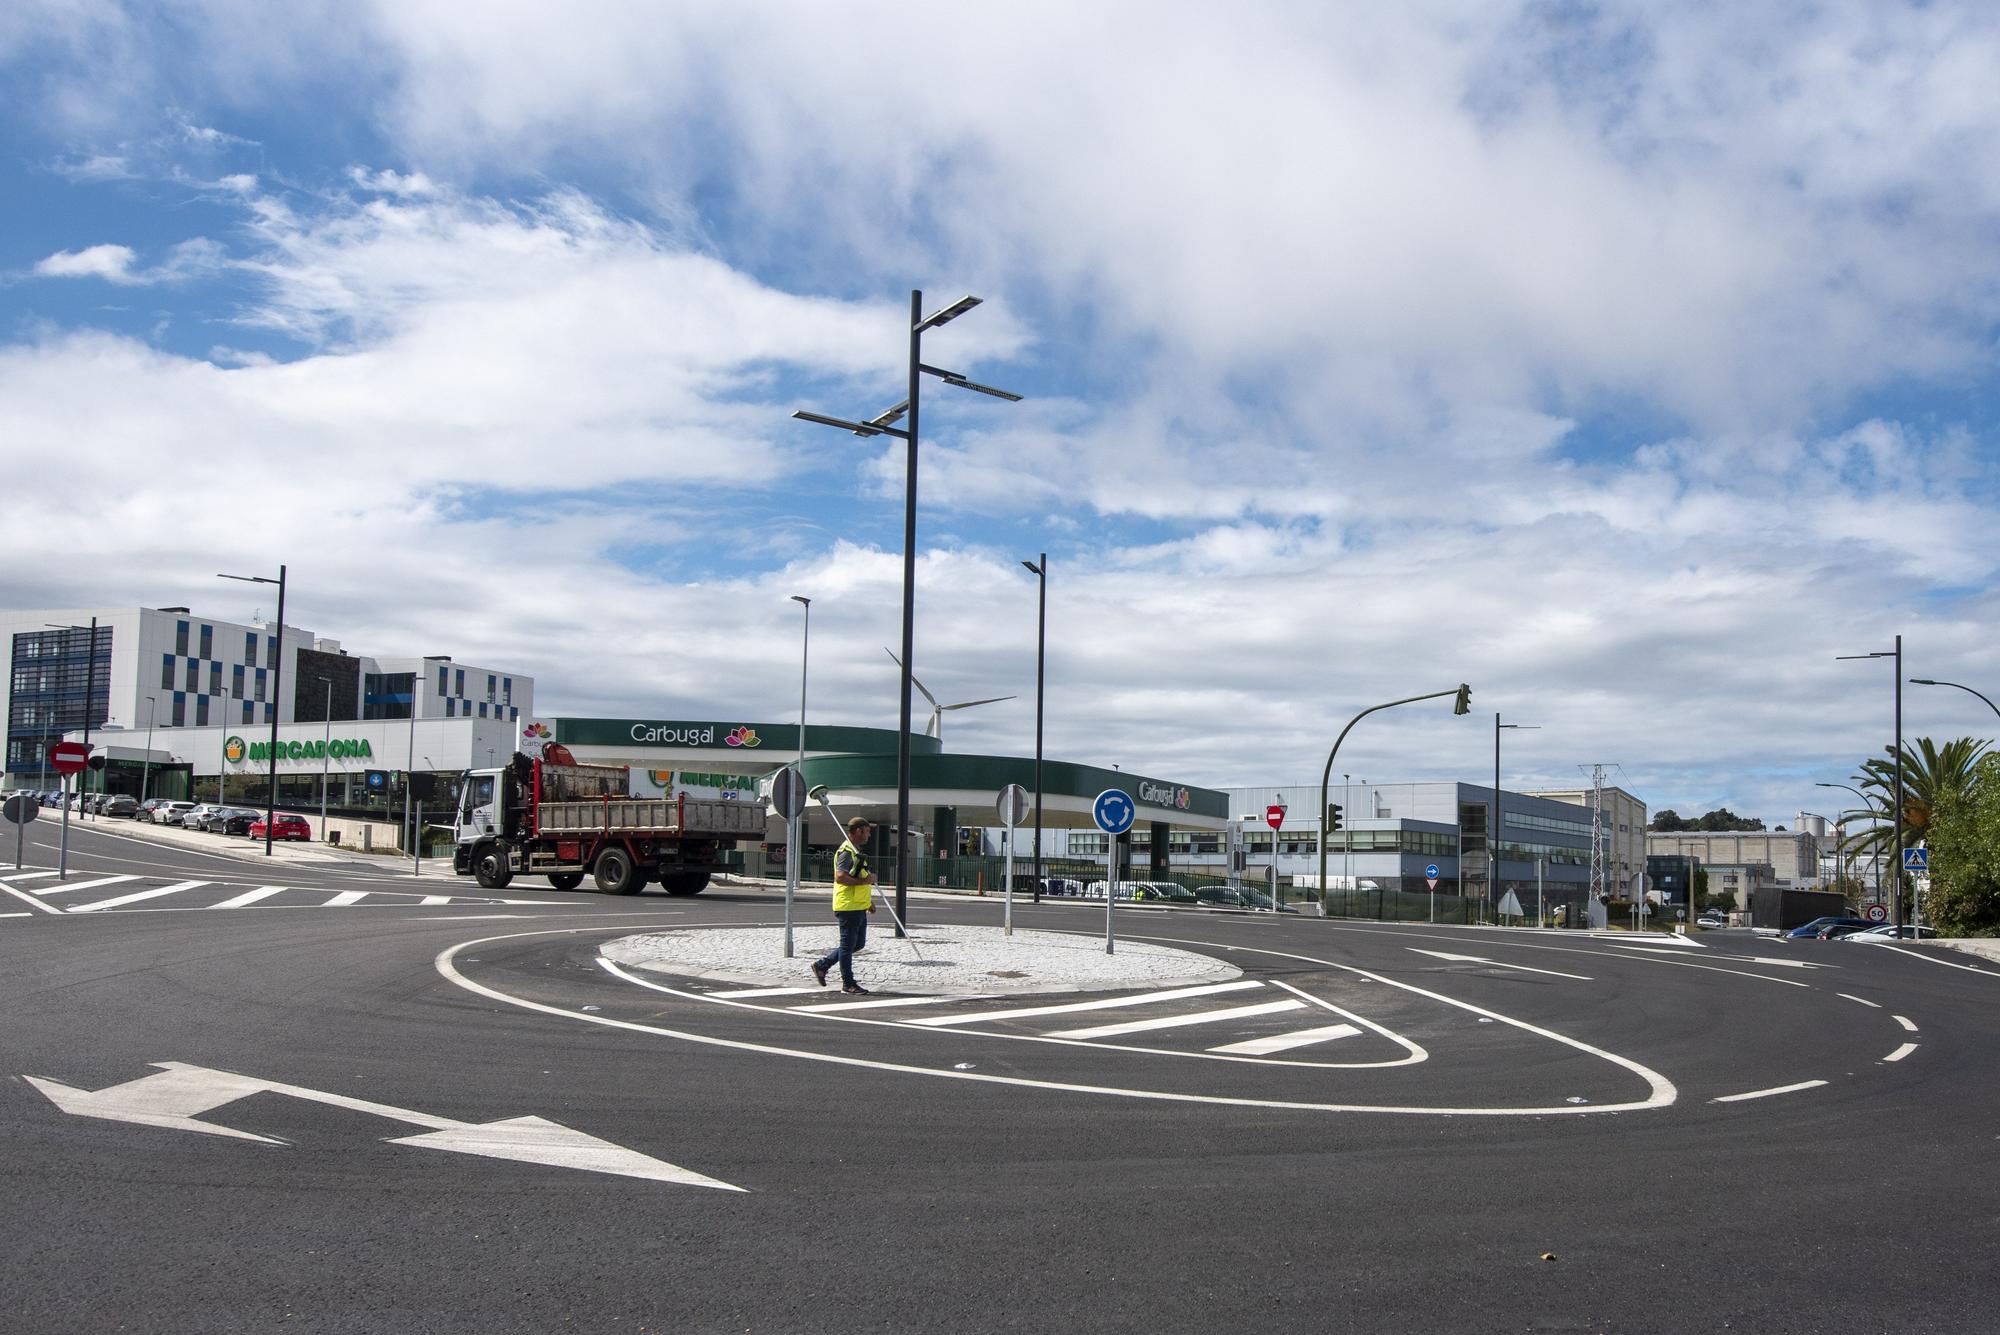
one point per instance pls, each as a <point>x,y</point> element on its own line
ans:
<point>853,901</point>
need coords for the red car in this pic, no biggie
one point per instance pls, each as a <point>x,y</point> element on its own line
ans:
<point>286,827</point>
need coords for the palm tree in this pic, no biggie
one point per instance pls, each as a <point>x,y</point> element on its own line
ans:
<point>1931,774</point>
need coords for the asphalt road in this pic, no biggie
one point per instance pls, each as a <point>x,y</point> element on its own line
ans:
<point>974,1174</point>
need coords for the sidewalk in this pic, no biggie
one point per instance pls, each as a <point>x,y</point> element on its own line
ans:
<point>1984,946</point>
<point>238,846</point>
<point>932,961</point>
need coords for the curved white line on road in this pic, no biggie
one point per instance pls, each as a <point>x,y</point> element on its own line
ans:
<point>1662,1090</point>
<point>1901,1053</point>
<point>1872,1005</point>
<point>1932,959</point>
<point>1906,1022</point>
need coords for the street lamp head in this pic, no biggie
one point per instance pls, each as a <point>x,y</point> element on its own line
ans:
<point>1032,568</point>
<point>803,601</point>
<point>948,314</point>
<point>977,388</point>
<point>1924,681</point>
<point>248,579</point>
<point>858,428</point>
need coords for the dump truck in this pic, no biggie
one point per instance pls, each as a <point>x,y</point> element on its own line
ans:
<point>537,817</point>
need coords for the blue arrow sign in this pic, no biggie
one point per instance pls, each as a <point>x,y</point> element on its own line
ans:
<point>1431,871</point>
<point>1916,859</point>
<point>1113,811</point>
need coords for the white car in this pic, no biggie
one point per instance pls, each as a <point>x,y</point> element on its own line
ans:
<point>1889,932</point>
<point>170,813</point>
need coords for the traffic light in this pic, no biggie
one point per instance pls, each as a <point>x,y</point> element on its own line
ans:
<point>1464,702</point>
<point>1333,817</point>
<point>423,787</point>
<point>97,761</point>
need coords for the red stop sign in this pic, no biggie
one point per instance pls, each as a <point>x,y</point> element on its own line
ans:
<point>1274,816</point>
<point>69,757</point>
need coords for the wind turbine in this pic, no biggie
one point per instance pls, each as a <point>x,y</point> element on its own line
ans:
<point>935,728</point>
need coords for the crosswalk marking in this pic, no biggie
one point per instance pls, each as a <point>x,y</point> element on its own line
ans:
<point>1298,1038</point>
<point>28,875</point>
<point>250,897</point>
<point>344,898</point>
<point>1103,1003</point>
<point>889,1001</point>
<point>135,897</point>
<point>433,901</point>
<point>73,886</point>
<point>766,992</point>
<point>1177,1021</point>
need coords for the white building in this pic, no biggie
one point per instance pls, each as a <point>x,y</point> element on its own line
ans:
<point>161,670</point>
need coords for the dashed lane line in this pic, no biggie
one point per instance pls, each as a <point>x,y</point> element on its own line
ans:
<point>1767,1093</point>
<point>136,897</point>
<point>1182,1021</point>
<point>1901,1053</point>
<point>1906,1022</point>
<point>1873,1005</point>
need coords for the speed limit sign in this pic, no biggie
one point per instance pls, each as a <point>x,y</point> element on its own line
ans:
<point>1878,913</point>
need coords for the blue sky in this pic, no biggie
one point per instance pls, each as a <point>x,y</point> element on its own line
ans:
<point>1628,362</point>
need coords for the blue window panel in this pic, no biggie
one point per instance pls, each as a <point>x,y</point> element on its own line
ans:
<point>215,679</point>
<point>247,707</point>
<point>181,638</point>
<point>461,683</point>
<point>513,715</point>
<point>201,711</point>
<point>450,707</point>
<point>506,690</point>
<point>249,646</point>
<point>207,642</point>
<point>482,709</point>
<point>193,675</point>
<point>166,672</point>
<point>180,709</point>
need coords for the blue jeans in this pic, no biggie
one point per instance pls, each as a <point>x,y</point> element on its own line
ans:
<point>853,936</point>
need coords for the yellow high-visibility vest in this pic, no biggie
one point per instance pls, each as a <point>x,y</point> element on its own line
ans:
<point>847,898</point>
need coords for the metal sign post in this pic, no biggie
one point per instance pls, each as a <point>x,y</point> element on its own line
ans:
<point>788,797</point>
<point>69,758</point>
<point>1012,803</point>
<point>1114,812</point>
<point>1431,879</point>
<point>62,857</point>
<point>20,808</point>
<point>1274,816</point>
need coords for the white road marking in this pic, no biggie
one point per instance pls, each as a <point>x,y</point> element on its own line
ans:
<point>16,915</point>
<point>1901,1053</point>
<point>1180,1021</point>
<point>468,917</point>
<point>1908,1024</point>
<point>1298,1038</point>
<point>250,897</point>
<point>136,897</point>
<point>29,899</point>
<point>767,992</point>
<point>1876,1005</point>
<point>1661,1093</point>
<point>29,875</point>
<point>1932,959</point>
<point>1500,964</point>
<point>1767,1093</point>
<point>344,898</point>
<point>433,901</point>
<point>1782,964</point>
<point>881,1001</point>
<point>1103,1003</point>
<point>73,886</point>
<point>174,1097</point>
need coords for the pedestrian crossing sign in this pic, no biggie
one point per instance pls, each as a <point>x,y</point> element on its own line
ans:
<point>1916,859</point>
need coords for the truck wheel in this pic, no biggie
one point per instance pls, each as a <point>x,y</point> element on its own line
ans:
<point>491,870</point>
<point>683,882</point>
<point>565,880</point>
<point>615,874</point>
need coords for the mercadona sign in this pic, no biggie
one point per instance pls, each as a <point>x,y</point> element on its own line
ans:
<point>236,750</point>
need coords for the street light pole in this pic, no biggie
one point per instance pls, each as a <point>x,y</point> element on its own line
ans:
<point>277,697</point>
<point>325,754</point>
<point>883,425</point>
<point>1462,706</point>
<point>146,769</point>
<point>1040,570</point>
<point>796,825</point>
<point>1896,816</point>
<point>1867,806</point>
<point>1493,834</point>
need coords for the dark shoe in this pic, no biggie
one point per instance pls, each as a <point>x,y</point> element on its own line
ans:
<point>857,989</point>
<point>819,972</point>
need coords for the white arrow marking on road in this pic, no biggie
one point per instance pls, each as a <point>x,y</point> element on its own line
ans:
<point>1782,964</point>
<point>1476,959</point>
<point>174,1097</point>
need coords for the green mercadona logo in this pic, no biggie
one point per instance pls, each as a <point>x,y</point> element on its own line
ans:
<point>236,750</point>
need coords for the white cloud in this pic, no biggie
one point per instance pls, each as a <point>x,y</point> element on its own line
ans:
<point>109,262</point>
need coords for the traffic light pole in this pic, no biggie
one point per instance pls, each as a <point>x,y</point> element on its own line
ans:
<point>1464,705</point>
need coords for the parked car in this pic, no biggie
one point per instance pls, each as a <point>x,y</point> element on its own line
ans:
<point>197,818</point>
<point>1819,926</point>
<point>1888,931</point>
<point>1061,885</point>
<point>170,813</point>
<point>285,826</point>
<point>120,804</point>
<point>146,808</point>
<point>1159,892</point>
<point>1221,897</point>
<point>1711,918</point>
<point>212,820</point>
<point>238,820</point>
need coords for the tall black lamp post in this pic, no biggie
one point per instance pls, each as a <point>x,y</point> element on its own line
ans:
<point>1493,835</point>
<point>883,425</point>
<point>1896,816</point>
<point>1040,570</point>
<point>277,696</point>
<point>1869,807</point>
